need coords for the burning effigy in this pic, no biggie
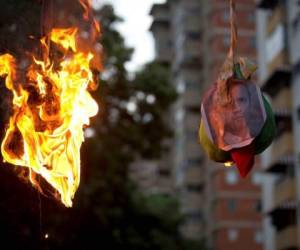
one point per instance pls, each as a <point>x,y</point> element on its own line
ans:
<point>50,109</point>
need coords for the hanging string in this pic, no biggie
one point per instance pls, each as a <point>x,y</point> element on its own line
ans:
<point>233,31</point>
<point>227,69</point>
<point>45,26</point>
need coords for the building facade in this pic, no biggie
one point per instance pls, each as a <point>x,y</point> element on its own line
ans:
<point>177,29</point>
<point>278,46</point>
<point>193,37</point>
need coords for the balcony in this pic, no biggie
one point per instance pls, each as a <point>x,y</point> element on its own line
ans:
<point>282,107</point>
<point>193,149</point>
<point>190,54</point>
<point>160,12</point>
<point>283,119</point>
<point>191,98</point>
<point>161,16</point>
<point>267,4</point>
<point>286,190</point>
<point>283,100</point>
<point>159,24</point>
<point>194,177</point>
<point>284,215</point>
<point>284,145</point>
<point>278,79</point>
<point>191,230</point>
<point>282,154</point>
<point>281,60</point>
<point>191,201</point>
<point>192,24</point>
<point>287,238</point>
<point>276,17</point>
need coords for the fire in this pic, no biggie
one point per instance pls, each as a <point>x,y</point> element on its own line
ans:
<point>228,164</point>
<point>50,109</point>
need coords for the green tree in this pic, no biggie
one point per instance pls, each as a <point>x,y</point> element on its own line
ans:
<point>109,212</point>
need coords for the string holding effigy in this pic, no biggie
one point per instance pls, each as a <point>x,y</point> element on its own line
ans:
<point>237,121</point>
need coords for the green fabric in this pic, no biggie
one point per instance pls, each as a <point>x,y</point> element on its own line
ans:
<point>268,132</point>
<point>262,141</point>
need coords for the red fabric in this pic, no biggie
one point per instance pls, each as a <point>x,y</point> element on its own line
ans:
<point>244,159</point>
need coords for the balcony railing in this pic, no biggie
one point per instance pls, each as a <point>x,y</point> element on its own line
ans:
<point>278,79</point>
<point>287,238</point>
<point>285,190</point>
<point>267,4</point>
<point>194,177</point>
<point>276,17</point>
<point>280,60</point>
<point>282,153</point>
<point>283,100</point>
<point>191,98</point>
<point>191,201</point>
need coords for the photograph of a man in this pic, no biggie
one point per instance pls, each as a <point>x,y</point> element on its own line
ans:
<point>239,120</point>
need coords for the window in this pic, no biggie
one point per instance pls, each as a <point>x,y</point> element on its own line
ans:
<point>258,206</point>
<point>170,44</point>
<point>193,10</point>
<point>252,42</point>
<point>193,35</point>
<point>296,24</point>
<point>191,135</point>
<point>192,85</point>
<point>195,161</point>
<point>225,16</point>
<point>233,234</point>
<point>226,40</point>
<point>231,205</point>
<point>194,187</point>
<point>298,113</point>
<point>164,172</point>
<point>251,18</point>
<point>256,178</point>
<point>193,217</point>
<point>231,177</point>
<point>296,69</point>
<point>258,236</point>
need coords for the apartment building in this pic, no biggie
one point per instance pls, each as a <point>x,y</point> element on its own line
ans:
<point>278,33</point>
<point>193,37</point>
<point>177,32</point>
<point>155,176</point>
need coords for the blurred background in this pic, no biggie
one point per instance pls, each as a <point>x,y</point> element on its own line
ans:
<point>145,180</point>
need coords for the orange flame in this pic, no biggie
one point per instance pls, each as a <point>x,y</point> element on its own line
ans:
<point>86,4</point>
<point>49,111</point>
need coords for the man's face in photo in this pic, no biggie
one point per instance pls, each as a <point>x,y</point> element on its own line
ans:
<point>240,100</point>
<point>240,120</point>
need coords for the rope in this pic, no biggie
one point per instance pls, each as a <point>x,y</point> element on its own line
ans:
<point>228,67</point>
<point>233,29</point>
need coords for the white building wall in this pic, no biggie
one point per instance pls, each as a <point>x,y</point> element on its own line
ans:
<point>261,17</point>
<point>268,180</point>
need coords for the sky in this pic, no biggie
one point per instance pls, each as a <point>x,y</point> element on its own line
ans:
<point>135,28</point>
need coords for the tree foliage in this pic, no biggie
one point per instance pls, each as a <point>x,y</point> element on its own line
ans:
<point>109,212</point>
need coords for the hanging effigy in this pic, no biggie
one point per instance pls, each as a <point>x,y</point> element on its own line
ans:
<point>237,121</point>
